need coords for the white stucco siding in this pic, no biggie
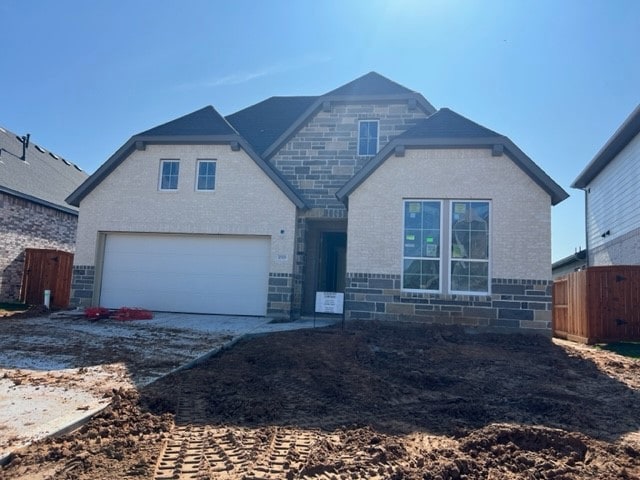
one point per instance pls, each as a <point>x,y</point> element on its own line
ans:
<point>614,197</point>
<point>520,210</point>
<point>245,202</point>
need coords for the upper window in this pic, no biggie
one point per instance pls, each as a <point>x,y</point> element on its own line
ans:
<point>459,254</point>
<point>206,175</point>
<point>169,171</point>
<point>368,137</point>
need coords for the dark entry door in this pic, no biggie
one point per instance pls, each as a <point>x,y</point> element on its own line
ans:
<point>326,260</point>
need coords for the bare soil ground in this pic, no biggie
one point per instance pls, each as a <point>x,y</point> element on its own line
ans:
<point>375,401</point>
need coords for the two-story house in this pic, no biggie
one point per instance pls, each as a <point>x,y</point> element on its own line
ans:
<point>611,184</point>
<point>414,213</point>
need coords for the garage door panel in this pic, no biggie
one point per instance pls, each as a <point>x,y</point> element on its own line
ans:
<point>201,274</point>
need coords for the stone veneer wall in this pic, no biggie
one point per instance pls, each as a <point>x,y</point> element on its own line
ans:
<point>24,224</point>
<point>82,281</point>
<point>280,297</point>
<point>513,303</point>
<point>322,156</point>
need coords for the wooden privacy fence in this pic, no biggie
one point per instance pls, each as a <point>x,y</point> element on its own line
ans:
<point>599,304</point>
<point>46,270</point>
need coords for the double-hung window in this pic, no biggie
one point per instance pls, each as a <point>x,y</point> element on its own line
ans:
<point>206,171</point>
<point>368,137</point>
<point>453,259</point>
<point>422,240</point>
<point>169,172</point>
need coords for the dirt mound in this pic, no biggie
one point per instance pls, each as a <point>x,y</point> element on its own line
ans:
<point>376,401</point>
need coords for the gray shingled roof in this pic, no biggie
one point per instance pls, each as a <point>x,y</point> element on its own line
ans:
<point>269,124</point>
<point>206,121</point>
<point>371,83</point>
<point>446,123</point>
<point>41,178</point>
<point>263,123</point>
<point>620,139</point>
<point>448,129</point>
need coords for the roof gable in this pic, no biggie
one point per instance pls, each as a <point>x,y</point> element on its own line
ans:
<point>620,139</point>
<point>206,121</point>
<point>447,129</point>
<point>268,135</point>
<point>204,126</point>
<point>370,84</point>
<point>41,177</point>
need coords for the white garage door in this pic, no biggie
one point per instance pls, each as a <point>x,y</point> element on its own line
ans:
<point>186,273</point>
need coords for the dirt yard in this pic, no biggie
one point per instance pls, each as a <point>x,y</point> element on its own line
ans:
<point>375,401</point>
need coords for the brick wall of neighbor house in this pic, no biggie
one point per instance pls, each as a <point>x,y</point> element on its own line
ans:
<point>26,224</point>
<point>245,202</point>
<point>322,156</point>
<point>520,248</point>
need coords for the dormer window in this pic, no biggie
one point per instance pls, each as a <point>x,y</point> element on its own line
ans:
<point>368,137</point>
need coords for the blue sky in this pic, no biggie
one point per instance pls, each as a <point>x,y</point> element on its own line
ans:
<point>557,77</point>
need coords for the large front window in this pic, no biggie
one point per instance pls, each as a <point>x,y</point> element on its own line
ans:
<point>422,241</point>
<point>455,260</point>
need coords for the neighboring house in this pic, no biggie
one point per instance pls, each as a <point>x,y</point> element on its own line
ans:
<point>33,213</point>
<point>571,263</point>
<point>611,183</point>
<point>415,214</point>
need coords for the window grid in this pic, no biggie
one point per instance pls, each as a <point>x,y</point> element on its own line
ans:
<point>169,173</point>
<point>206,179</point>
<point>368,137</point>
<point>422,245</point>
<point>459,255</point>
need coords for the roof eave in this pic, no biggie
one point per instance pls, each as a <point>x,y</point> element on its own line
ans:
<point>622,136</point>
<point>39,201</point>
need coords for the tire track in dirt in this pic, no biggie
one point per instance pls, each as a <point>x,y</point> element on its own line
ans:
<point>198,451</point>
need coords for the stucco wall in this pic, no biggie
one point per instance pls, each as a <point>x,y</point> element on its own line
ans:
<point>245,202</point>
<point>24,224</point>
<point>520,210</point>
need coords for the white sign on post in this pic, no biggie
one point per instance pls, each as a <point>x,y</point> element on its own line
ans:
<point>329,302</point>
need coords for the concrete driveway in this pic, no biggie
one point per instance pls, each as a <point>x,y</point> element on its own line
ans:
<point>56,372</point>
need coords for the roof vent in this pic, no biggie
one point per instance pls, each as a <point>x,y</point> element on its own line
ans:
<point>65,162</point>
<point>54,155</point>
<point>77,167</point>
<point>40,149</point>
<point>25,145</point>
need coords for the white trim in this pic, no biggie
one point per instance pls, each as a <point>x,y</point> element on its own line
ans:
<point>162,162</point>
<point>488,260</point>
<point>439,258</point>
<point>215,175</point>
<point>446,207</point>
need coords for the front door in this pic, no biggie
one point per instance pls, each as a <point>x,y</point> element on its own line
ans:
<point>326,260</point>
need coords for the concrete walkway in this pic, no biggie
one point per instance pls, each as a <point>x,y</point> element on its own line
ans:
<point>55,373</point>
